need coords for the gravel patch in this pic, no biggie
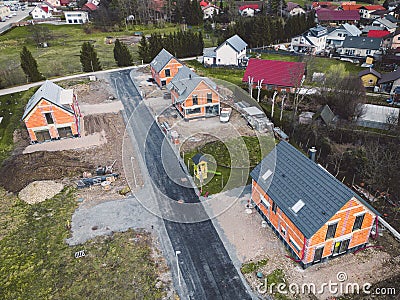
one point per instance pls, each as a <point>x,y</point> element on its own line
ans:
<point>101,108</point>
<point>108,217</point>
<point>39,191</point>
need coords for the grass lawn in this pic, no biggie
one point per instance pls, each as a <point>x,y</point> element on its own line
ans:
<point>237,156</point>
<point>314,63</point>
<point>228,74</point>
<point>36,263</point>
<point>11,109</point>
<point>62,55</point>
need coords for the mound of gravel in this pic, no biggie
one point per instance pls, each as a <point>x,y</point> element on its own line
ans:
<point>39,191</point>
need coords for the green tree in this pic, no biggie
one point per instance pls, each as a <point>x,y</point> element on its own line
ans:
<point>89,60</point>
<point>122,55</point>
<point>144,50</point>
<point>29,65</point>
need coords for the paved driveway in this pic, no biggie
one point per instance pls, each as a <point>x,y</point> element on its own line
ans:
<point>205,266</point>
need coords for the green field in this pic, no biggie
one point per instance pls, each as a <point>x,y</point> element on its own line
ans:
<point>11,109</point>
<point>36,263</point>
<point>228,74</point>
<point>62,55</point>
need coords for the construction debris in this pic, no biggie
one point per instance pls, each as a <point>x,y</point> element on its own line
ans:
<point>39,191</point>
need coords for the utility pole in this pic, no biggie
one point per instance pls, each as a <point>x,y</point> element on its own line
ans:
<point>250,80</point>
<point>273,103</point>
<point>259,86</point>
<point>283,100</point>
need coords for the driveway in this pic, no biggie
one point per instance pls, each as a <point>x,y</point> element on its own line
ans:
<point>205,266</point>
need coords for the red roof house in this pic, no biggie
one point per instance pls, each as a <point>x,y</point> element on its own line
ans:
<point>89,7</point>
<point>378,33</point>
<point>338,15</point>
<point>203,3</point>
<point>279,75</point>
<point>252,6</point>
<point>351,7</point>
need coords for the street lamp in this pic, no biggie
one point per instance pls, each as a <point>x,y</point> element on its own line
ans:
<point>177,266</point>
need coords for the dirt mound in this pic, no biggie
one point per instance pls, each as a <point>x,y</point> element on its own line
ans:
<point>39,191</point>
<point>20,170</point>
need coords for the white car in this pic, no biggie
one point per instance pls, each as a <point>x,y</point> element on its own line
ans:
<point>225,115</point>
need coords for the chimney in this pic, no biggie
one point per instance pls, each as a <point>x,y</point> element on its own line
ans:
<point>311,153</point>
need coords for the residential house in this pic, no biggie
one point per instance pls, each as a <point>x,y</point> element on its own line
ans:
<point>209,11</point>
<point>355,7</point>
<point>76,17</point>
<point>337,35</point>
<point>42,11</point>
<point>327,16</point>
<point>396,39</point>
<point>164,67</point>
<point>249,10</point>
<point>89,7</point>
<point>386,24</point>
<point>232,52</point>
<point>359,47</point>
<point>4,12</point>
<point>313,41</point>
<point>378,14</point>
<point>377,116</point>
<point>275,74</point>
<point>365,11</point>
<point>386,36</point>
<point>369,77</point>
<point>52,113</point>
<point>194,96</point>
<point>389,81</point>
<point>315,215</point>
<point>294,9</point>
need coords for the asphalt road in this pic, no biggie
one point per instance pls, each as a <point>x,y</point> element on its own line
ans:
<point>205,265</point>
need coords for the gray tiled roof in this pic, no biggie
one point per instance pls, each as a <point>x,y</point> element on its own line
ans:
<point>387,77</point>
<point>296,177</point>
<point>49,91</point>
<point>161,60</point>
<point>362,42</point>
<point>236,42</point>
<point>369,71</point>
<point>352,29</point>
<point>185,81</point>
<point>209,52</point>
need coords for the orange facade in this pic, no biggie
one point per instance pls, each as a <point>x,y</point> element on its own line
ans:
<point>207,98</point>
<point>308,251</point>
<point>167,72</point>
<point>49,121</point>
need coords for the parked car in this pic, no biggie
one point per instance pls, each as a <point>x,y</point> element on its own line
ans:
<point>225,115</point>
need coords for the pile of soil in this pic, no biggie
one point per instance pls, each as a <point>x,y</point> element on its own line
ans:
<point>21,169</point>
<point>39,191</point>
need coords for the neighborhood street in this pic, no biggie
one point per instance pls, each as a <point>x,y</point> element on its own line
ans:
<point>204,264</point>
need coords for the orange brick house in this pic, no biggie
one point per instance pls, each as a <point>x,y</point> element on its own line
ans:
<point>164,67</point>
<point>52,113</point>
<point>194,96</point>
<point>313,214</point>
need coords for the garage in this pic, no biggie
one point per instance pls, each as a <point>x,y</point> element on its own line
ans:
<point>42,135</point>
<point>65,132</point>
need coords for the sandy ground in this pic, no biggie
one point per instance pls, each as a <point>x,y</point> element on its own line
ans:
<point>249,241</point>
<point>91,140</point>
<point>101,108</point>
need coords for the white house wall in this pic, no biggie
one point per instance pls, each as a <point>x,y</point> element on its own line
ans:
<point>226,55</point>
